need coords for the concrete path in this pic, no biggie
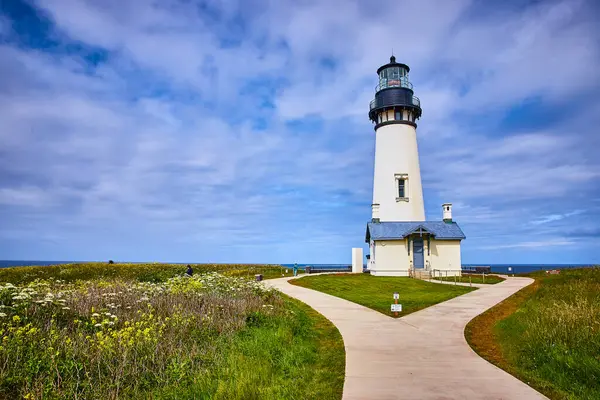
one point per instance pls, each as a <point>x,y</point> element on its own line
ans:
<point>423,355</point>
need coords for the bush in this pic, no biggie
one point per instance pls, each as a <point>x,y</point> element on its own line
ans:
<point>99,339</point>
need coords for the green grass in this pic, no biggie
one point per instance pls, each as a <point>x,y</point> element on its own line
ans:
<point>302,359</point>
<point>376,292</point>
<point>143,272</point>
<point>473,278</point>
<point>550,336</point>
<point>206,337</point>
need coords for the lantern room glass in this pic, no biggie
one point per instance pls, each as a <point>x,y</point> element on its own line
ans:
<point>393,77</point>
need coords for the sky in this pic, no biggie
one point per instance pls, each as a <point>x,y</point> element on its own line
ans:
<point>238,130</point>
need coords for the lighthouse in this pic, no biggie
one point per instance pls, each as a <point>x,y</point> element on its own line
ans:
<point>401,241</point>
<point>397,192</point>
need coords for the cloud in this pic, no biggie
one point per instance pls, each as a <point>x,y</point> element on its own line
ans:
<point>556,217</point>
<point>531,245</point>
<point>237,131</point>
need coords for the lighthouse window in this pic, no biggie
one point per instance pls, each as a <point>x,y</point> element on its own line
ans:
<point>393,76</point>
<point>402,186</point>
<point>398,115</point>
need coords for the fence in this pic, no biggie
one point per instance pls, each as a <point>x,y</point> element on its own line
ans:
<point>461,276</point>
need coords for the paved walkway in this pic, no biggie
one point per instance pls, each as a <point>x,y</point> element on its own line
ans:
<point>423,355</point>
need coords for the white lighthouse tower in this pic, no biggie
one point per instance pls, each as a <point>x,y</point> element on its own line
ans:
<point>397,192</point>
<point>401,241</point>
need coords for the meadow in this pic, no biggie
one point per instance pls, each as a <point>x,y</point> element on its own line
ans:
<point>143,272</point>
<point>116,334</point>
<point>547,335</point>
<point>376,292</point>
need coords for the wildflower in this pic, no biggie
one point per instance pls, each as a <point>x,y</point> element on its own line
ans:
<point>98,325</point>
<point>66,308</point>
<point>2,315</point>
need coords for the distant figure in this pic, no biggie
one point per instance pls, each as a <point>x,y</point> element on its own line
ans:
<point>295,269</point>
<point>111,262</point>
<point>189,271</point>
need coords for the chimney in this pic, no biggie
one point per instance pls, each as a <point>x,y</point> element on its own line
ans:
<point>374,212</point>
<point>447,212</point>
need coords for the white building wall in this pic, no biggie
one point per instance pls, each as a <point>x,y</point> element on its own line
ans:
<point>372,255</point>
<point>357,260</point>
<point>445,256</point>
<point>391,258</point>
<point>396,152</point>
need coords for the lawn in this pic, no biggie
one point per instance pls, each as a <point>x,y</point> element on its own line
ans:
<point>472,278</point>
<point>376,292</point>
<point>206,337</point>
<point>547,334</point>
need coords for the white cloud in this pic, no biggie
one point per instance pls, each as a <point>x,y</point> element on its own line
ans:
<point>182,126</point>
<point>28,196</point>
<point>556,217</point>
<point>531,245</point>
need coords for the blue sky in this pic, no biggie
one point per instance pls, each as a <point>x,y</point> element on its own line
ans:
<point>237,131</point>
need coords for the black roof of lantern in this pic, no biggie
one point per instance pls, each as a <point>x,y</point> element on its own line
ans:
<point>393,63</point>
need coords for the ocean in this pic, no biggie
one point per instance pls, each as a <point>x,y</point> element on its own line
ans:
<point>497,268</point>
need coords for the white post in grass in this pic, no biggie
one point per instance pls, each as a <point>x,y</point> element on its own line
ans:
<point>357,260</point>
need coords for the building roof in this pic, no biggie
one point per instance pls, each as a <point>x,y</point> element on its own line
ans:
<point>440,230</point>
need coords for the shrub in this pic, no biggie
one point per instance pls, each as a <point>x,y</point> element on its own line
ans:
<point>99,339</point>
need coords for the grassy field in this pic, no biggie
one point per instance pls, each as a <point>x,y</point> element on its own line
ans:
<point>473,278</point>
<point>376,292</point>
<point>143,272</point>
<point>206,337</point>
<point>547,335</point>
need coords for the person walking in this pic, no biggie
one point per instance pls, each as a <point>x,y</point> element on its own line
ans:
<point>295,269</point>
<point>189,271</point>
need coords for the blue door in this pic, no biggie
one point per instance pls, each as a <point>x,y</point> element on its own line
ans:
<point>418,253</point>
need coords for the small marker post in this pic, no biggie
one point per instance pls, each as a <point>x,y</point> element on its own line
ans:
<point>396,296</point>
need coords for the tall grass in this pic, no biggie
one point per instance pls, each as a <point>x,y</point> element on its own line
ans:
<point>209,336</point>
<point>552,339</point>
<point>144,272</point>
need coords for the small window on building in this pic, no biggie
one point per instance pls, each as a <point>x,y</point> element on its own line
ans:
<point>402,187</point>
<point>398,115</point>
